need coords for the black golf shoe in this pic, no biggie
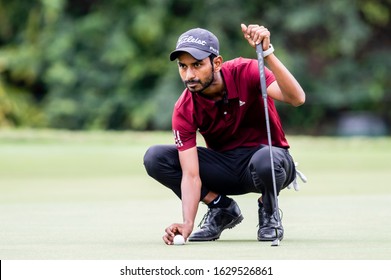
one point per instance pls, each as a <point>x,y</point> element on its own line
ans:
<point>215,221</point>
<point>269,226</point>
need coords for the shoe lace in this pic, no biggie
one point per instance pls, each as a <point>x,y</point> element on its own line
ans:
<point>205,217</point>
<point>281,215</point>
<point>301,176</point>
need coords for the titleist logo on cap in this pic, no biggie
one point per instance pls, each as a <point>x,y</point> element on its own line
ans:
<point>198,42</point>
<point>190,39</point>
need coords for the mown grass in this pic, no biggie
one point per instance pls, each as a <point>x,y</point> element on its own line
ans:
<point>85,195</point>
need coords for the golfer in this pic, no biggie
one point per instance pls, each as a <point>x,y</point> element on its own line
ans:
<point>222,101</point>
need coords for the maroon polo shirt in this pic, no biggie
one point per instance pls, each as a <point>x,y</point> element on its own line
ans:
<point>237,121</point>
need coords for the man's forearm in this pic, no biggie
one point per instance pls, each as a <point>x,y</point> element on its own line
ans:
<point>191,189</point>
<point>291,90</point>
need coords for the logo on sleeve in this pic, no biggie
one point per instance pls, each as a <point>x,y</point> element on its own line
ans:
<point>177,137</point>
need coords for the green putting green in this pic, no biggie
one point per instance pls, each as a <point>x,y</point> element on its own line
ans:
<point>85,195</point>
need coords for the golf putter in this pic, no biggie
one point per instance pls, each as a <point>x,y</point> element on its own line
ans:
<point>261,66</point>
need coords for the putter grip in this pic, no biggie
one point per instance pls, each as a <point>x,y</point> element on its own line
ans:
<point>261,66</point>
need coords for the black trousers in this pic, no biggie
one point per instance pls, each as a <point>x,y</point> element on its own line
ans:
<point>236,172</point>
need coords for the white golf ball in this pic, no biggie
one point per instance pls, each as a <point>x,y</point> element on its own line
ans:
<point>179,240</point>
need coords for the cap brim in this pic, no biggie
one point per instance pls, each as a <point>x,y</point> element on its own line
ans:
<point>196,53</point>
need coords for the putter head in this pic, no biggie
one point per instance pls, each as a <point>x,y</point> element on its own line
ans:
<point>276,242</point>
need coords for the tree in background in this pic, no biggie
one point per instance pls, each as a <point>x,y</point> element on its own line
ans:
<point>100,64</point>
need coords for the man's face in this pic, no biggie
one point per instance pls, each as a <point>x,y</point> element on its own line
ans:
<point>197,75</point>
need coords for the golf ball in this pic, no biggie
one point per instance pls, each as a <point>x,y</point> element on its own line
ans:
<point>179,240</point>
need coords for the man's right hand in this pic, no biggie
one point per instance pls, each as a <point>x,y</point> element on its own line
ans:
<point>175,229</point>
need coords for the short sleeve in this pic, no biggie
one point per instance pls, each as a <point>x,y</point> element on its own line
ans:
<point>183,127</point>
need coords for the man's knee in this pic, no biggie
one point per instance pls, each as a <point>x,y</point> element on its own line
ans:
<point>260,163</point>
<point>151,159</point>
<point>260,166</point>
<point>156,157</point>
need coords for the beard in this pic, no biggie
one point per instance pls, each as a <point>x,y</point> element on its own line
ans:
<point>192,84</point>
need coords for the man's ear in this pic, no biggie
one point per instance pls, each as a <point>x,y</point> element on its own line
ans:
<point>218,62</point>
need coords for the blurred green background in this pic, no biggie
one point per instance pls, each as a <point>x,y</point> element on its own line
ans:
<point>103,65</point>
<point>82,80</point>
